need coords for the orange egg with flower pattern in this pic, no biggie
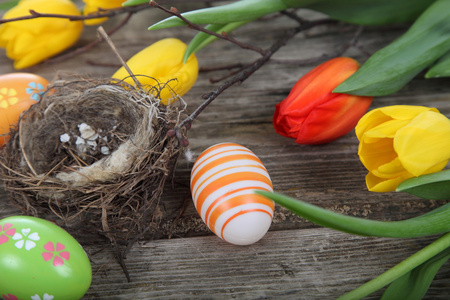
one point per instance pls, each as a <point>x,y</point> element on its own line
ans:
<point>18,91</point>
<point>223,180</point>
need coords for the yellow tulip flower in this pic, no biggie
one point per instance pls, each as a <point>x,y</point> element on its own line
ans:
<point>93,6</point>
<point>29,42</point>
<point>399,142</point>
<point>161,66</point>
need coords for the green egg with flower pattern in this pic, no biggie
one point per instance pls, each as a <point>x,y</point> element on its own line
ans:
<point>41,261</point>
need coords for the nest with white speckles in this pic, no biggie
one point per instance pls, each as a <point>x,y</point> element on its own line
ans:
<point>93,152</point>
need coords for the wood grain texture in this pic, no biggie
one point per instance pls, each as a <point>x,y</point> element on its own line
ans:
<point>293,264</point>
<point>296,260</point>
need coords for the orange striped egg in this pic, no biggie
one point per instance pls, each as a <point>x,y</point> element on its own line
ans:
<point>223,179</point>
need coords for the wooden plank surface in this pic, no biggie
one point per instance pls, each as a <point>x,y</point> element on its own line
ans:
<point>296,259</point>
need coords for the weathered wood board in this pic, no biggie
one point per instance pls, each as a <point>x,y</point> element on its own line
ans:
<point>296,260</point>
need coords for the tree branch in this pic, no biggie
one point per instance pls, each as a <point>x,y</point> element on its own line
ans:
<point>99,14</point>
<point>242,76</point>
<point>174,12</point>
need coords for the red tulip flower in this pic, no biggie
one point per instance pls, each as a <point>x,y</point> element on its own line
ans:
<point>312,113</point>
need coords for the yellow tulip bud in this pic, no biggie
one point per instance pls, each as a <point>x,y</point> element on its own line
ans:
<point>29,42</point>
<point>161,65</point>
<point>93,6</point>
<point>399,142</point>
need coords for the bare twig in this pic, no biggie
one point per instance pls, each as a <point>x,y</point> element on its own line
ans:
<point>314,60</point>
<point>242,76</point>
<point>173,11</point>
<point>227,67</point>
<point>91,44</point>
<point>100,14</point>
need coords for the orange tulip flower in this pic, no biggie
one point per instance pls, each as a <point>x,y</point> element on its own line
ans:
<point>312,113</point>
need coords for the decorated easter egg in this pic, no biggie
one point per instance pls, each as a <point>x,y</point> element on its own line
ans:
<point>223,180</point>
<point>18,91</point>
<point>40,260</point>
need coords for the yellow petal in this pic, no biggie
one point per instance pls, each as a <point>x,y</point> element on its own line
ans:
<point>392,169</point>
<point>405,112</point>
<point>377,184</point>
<point>24,40</point>
<point>383,114</point>
<point>161,65</point>
<point>93,6</point>
<point>370,120</point>
<point>96,21</point>
<point>386,129</point>
<point>373,155</point>
<point>20,45</point>
<point>424,143</point>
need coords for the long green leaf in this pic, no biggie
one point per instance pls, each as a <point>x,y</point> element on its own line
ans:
<point>5,5</point>
<point>400,269</point>
<point>361,12</point>
<point>435,186</point>
<point>441,68</point>
<point>434,222</point>
<point>234,12</point>
<point>414,284</point>
<point>370,12</point>
<point>392,67</point>
<point>134,2</point>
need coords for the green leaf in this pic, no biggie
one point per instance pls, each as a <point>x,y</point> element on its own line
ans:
<point>203,39</point>
<point>369,12</point>
<point>435,186</point>
<point>441,68</point>
<point>400,269</point>
<point>392,67</point>
<point>134,2</point>
<point>414,284</point>
<point>362,12</point>
<point>5,5</point>
<point>433,222</point>
<point>238,11</point>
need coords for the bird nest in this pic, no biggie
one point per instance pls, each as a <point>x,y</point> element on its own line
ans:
<point>94,153</point>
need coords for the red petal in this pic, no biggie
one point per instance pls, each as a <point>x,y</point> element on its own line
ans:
<point>47,256</point>
<point>60,247</point>
<point>65,255</point>
<point>58,261</point>
<point>3,239</point>
<point>49,247</point>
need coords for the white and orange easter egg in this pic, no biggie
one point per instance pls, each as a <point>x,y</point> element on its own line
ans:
<point>223,180</point>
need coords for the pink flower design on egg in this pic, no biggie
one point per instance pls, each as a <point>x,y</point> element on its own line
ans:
<point>10,297</point>
<point>55,253</point>
<point>5,231</point>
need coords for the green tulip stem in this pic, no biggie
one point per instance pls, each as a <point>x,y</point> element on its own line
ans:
<point>400,269</point>
<point>434,222</point>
